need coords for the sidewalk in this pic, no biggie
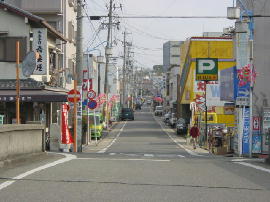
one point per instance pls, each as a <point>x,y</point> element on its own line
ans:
<point>106,138</point>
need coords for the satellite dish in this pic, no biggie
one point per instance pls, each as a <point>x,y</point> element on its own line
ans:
<point>29,64</point>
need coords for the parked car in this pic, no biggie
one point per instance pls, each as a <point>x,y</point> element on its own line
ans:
<point>96,125</point>
<point>173,120</point>
<point>181,127</point>
<point>127,114</point>
<point>149,102</point>
<point>158,111</point>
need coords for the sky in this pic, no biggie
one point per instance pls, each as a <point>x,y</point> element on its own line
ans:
<point>148,35</point>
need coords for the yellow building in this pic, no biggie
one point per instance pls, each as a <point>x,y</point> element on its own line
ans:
<point>192,92</point>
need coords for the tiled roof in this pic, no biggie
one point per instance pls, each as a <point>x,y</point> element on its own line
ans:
<point>30,84</point>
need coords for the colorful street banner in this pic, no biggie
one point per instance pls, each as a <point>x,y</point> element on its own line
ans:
<point>228,84</point>
<point>66,137</point>
<point>256,144</point>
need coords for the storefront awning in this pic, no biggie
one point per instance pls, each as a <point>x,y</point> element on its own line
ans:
<point>33,96</point>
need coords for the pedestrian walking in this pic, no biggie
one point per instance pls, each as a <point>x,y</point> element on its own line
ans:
<point>194,133</point>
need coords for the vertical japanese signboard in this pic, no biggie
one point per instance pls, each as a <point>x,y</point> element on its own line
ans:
<point>246,126</point>
<point>40,46</point>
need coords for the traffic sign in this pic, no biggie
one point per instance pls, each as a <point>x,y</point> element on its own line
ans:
<point>72,94</point>
<point>91,94</point>
<point>92,104</point>
<point>206,69</point>
<point>256,123</point>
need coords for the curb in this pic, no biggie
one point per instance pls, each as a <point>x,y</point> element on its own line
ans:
<point>18,159</point>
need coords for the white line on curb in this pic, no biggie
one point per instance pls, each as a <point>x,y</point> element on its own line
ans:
<point>68,157</point>
<point>253,166</point>
<point>114,140</point>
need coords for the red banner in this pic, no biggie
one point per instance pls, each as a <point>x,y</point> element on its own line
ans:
<point>66,135</point>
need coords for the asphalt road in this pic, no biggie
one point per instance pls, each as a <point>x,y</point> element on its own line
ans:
<point>140,163</point>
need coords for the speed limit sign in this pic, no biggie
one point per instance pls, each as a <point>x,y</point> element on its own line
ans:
<point>91,94</point>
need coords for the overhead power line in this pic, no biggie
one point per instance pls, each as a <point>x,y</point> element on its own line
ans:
<point>158,17</point>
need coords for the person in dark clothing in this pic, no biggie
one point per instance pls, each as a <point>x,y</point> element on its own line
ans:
<point>194,133</point>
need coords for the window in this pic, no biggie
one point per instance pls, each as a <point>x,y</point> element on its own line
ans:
<point>2,49</point>
<point>70,71</point>
<point>8,48</point>
<point>71,31</point>
<point>53,24</point>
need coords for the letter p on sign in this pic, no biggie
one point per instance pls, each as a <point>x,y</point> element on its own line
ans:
<point>205,65</point>
<point>206,69</point>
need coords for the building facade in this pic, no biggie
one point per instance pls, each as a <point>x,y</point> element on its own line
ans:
<point>171,67</point>
<point>61,15</point>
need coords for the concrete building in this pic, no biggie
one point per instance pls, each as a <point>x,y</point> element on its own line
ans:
<point>245,37</point>
<point>171,65</point>
<point>61,15</point>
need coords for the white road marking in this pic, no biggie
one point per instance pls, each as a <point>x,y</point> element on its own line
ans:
<point>254,166</point>
<point>68,157</point>
<point>243,159</point>
<point>106,159</point>
<point>114,140</point>
<point>181,156</point>
<point>180,145</point>
<point>112,154</point>
<point>148,155</point>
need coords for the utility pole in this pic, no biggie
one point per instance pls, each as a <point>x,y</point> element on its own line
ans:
<point>124,70</point>
<point>17,82</point>
<point>78,80</point>
<point>107,55</point>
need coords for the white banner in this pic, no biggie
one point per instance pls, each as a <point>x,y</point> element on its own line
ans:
<point>213,95</point>
<point>40,46</point>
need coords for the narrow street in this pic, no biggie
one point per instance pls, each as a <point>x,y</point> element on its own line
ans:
<point>142,163</point>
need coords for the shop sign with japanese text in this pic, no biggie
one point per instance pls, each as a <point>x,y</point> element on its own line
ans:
<point>40,46</point>
<point>246,131</point>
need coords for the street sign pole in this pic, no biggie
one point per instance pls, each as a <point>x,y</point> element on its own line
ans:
<point>206,70</point>
<point>205,115</point>
<point>95,125</point>
<point>75,114</point>
<point>17,83</point>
